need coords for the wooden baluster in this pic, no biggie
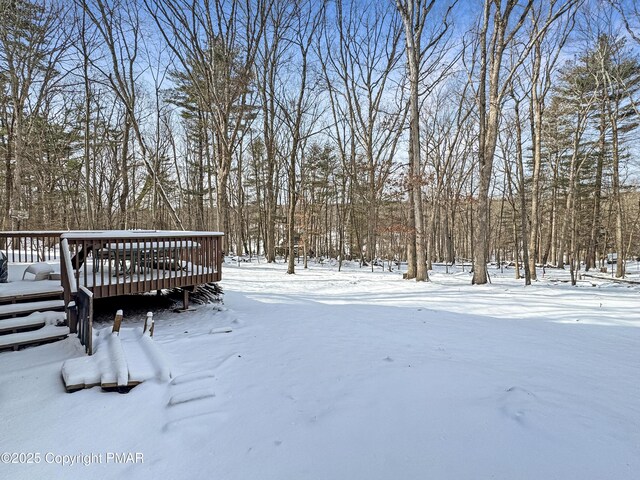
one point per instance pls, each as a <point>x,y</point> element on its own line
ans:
<point>164,261</point>
<point>85,250</point>
<point>110,257</point>
<point>76,267</point>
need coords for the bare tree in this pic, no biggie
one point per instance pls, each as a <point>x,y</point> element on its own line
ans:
<point>545,53</point>
<point>447,145</point>
<point>299,110</point>
<point>498,29</point>
<point>120,31</point>
<point>215,44</point>
<point>360,64</point>
<point>424,51</point>
<point>272,55</point>
<point>32,44</point>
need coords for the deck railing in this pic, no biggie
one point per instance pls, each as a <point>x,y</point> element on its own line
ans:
<point>31,246</point>
<point>123,263</point>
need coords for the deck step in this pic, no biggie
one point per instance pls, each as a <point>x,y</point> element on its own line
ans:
<point>13,309</point>
<point>47,333</point>
<point>35,322</point>
<point>25,291</point>
<point>22,323</point>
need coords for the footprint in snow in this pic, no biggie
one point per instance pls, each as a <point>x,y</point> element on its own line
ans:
<point>192,403</point>
<point>192,377</point>
<point>197,423</point>
<point>191,396</point>
<point>215,331</point>
<point>517,403</point>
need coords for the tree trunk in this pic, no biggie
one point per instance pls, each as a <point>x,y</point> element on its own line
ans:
<point>594,238</point>
<point>617,198</point>
<point>526,251</point>
<point>536,136</point>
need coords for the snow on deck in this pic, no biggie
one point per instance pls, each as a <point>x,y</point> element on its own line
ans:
<point>356,375</point>
<point>48,332</point>
<point>17,287</point>
<point>30,287</point>
<point>15,308</point>
<point>52,327</point>
<point>91,235</point>
<point>37,318</point>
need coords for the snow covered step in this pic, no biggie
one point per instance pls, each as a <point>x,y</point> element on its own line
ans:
<point>29,290</point>
<point>21,323</point>
<point>29,307</point>
<point>47,333</point>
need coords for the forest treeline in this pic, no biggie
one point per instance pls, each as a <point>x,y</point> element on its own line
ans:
<point>414,130</point>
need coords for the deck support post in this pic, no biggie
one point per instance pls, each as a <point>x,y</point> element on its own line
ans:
<point>72,318</point>
<point>185,299</point>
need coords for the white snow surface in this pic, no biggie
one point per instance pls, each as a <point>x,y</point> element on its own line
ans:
<point>354,375</point>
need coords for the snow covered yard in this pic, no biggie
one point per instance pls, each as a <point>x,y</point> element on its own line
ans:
<point>353,375</point>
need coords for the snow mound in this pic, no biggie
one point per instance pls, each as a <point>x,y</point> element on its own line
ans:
<point>124,358</point>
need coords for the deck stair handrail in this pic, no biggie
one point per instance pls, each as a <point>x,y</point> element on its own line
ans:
<point>69,285</point>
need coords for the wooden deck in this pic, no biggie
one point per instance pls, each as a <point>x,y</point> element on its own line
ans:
<point>123,263</point>
<point>110,263</point>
